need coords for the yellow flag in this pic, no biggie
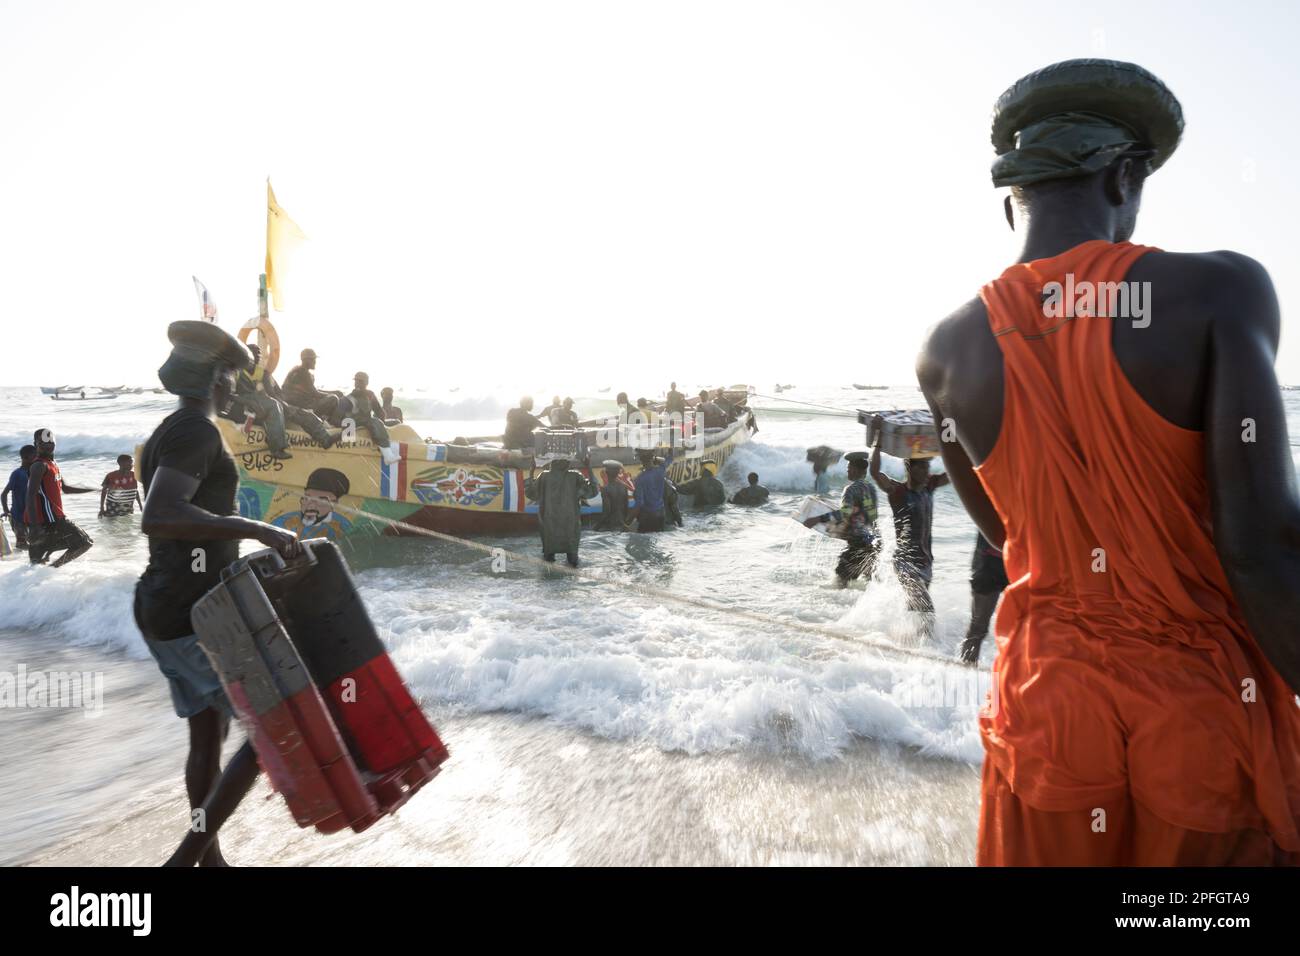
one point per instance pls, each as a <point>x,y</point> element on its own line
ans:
<point>282,238</point>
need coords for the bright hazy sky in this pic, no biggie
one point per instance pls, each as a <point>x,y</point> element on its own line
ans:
<point>730,191</point>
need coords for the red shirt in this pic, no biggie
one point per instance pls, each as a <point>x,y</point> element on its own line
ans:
<point>47,503</point>
<point>120,499</point>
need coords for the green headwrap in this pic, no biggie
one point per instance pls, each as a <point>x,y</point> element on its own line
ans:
<point>1061,146</point>
<point>198,350</point>
<point>1077,117</point>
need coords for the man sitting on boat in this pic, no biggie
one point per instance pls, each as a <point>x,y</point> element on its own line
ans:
<point>258,397</point>
<point>365,409</point>
<point>565,416</point>
<point>520,424</point>
<point>390,412</point>
<point>711,415</point>
<point>300,389</point>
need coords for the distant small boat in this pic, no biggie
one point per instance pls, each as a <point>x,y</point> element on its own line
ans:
<point>83,398</point>
<point>602,391</point>
<point>46,390</point>
<point>870,388</point>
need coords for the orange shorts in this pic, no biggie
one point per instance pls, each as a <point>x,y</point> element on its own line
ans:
<point>1118,833</point>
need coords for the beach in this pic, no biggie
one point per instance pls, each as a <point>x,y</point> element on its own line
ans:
<point>587,725</point>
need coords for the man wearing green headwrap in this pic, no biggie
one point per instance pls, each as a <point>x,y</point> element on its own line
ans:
<point>1136,474</point>
<point>190,518</point>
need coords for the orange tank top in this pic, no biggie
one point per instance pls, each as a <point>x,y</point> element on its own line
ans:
<point>1124,664</point>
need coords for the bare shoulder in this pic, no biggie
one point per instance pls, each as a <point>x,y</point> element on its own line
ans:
<point>951,338</point>
<point>1221,284</point>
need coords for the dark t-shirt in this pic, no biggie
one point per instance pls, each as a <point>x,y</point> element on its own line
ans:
<point>519,428</point>
<point>300,388</point>
<point>188,442</point>
<point>913,518</point>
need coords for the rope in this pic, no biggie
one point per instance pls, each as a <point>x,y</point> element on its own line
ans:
<point>660,595</point>
<point>794,401</point>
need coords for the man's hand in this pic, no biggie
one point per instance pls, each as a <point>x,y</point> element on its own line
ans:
<point>813,522</point>
<point>285,543</point>
<point>877,429</point>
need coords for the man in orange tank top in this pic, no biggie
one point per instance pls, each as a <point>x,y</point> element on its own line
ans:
<point>1120,435</point>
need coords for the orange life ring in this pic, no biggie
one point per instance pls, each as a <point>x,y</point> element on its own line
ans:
<point>268,340</point>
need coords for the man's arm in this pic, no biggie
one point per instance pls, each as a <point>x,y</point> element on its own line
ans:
<point>959,470</point>
<point>938,481</point>
<point>1248,463</point>
<point>4,497</point>
<point>887,484</point>
<point>103,495</point>
<point>34,478</point>
<point>170,513</point>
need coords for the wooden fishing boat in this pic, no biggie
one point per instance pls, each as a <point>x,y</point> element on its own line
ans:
<point>468,488</point>
<point>456,489</point>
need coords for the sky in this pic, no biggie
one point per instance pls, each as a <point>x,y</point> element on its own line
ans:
<point>531,191</point>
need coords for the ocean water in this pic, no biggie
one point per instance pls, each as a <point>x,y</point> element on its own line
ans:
<point>501,658</point>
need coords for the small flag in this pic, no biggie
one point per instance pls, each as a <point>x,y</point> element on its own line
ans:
<point>282,238</point>
<point>208,307</point>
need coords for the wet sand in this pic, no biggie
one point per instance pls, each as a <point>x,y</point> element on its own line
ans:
<point>520,791</point>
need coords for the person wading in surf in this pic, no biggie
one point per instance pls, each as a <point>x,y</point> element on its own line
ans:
<point>194,532</point>
<point>1136,473</point>
<point>48,528</point>
<point>855,522</point>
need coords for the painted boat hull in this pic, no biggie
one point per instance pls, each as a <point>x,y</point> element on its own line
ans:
<point>423,489</point>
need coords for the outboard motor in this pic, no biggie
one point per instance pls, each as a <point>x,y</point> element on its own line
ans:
<point>334,726</point>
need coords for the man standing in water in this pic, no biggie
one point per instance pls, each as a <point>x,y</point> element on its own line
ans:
<point>650,489</point>
<point>48,529</point>
<point>752,494</point>
<point>705,491</point>
<point>912,502</point>
<point>1135,469</point>
<point>13,500</point>
<point>190,519</point>
<point>118,495</point>
<point>855,522</point>
<point>559,494</point>
<point>614,498</point>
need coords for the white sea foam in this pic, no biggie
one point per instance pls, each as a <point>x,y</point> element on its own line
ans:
<point>76,444</point>
<point>693,683</point>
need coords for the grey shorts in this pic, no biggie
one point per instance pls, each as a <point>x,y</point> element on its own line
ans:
<point>193,683</point>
